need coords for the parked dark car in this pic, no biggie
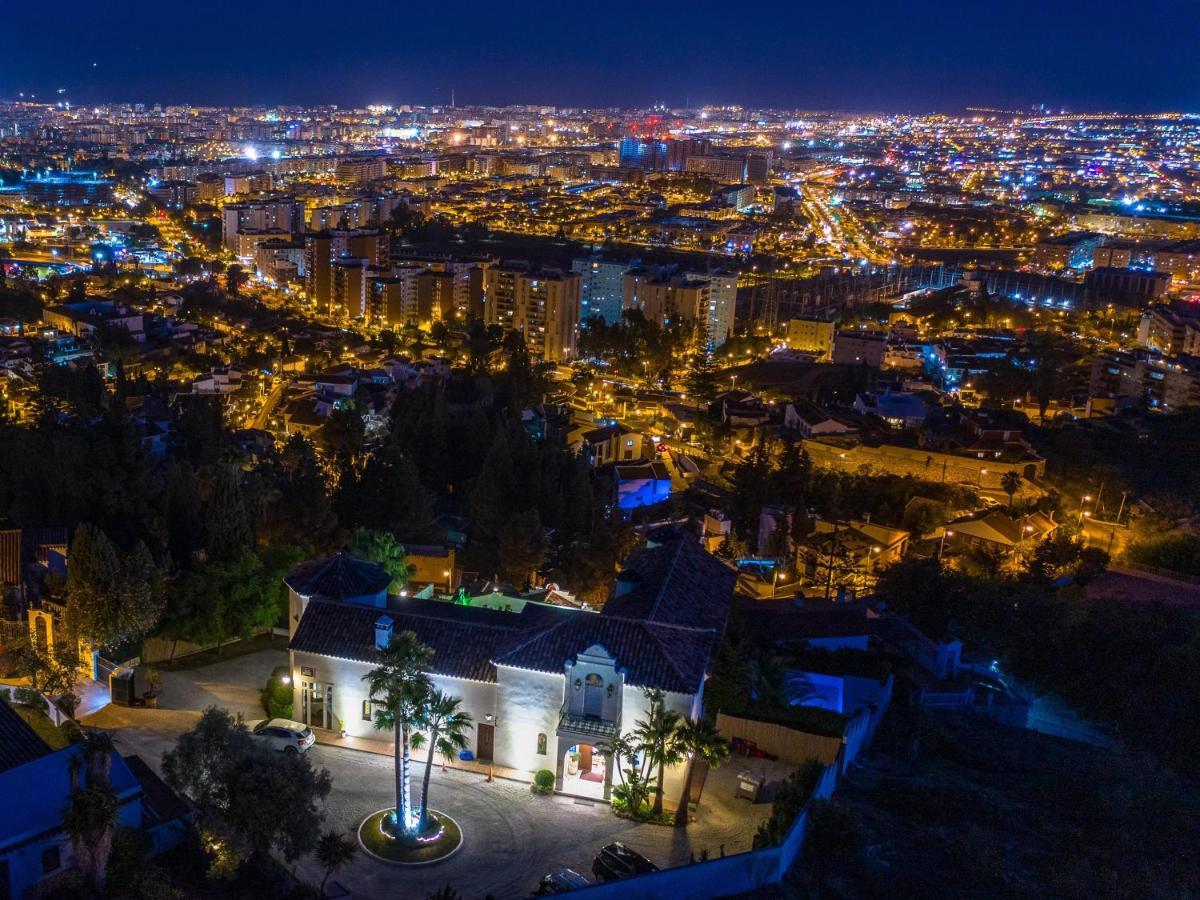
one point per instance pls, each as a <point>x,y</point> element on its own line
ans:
<point>561,881</point>
<point>618,861</point>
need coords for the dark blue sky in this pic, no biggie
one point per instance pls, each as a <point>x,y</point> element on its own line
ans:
<point>906,55</point>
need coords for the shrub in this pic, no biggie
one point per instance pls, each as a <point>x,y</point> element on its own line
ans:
<point>276,699</point>
<point>29,697</point>
<point>790,798</point>
<point>543,782</point>
<point>71,731</point>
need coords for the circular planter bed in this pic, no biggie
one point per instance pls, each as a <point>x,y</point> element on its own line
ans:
<point>442,840</point>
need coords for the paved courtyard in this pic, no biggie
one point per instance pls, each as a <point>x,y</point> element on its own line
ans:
<point>512,837</point>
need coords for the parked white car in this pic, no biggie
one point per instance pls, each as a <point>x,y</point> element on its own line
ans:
<point>283,734</point>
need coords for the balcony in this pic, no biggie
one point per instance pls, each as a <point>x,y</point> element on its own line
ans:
<point>592,728</point>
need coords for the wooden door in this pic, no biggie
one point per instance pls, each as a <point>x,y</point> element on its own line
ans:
<point>485,742</point>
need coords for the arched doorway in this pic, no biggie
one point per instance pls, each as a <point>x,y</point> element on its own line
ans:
<point>585,771</point>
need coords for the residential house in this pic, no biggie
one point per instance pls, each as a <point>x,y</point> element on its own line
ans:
<point>898,409</point>
<point>643,484</point>
<point>998,531</point>
<point>809,420</point>
<point>220,381</point>
<point>546,686</point>
<point>36,784</point>
<point>615,443</point>
<point>851,553</point>
<point>432,564</point>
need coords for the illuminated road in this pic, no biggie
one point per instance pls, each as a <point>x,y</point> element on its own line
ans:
<point>838,227</point>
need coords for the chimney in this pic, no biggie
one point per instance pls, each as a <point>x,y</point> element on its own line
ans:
<point>383,632</point>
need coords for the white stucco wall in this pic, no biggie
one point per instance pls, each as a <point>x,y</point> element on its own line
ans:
<point>527,704</point>
<point>595,661</point>
<point>638,707</point>
<point>349,692</point>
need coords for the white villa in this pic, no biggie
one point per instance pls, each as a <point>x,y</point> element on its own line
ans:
<point>545,685</point>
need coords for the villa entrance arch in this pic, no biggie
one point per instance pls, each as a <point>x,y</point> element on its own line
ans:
<point>586,771</point>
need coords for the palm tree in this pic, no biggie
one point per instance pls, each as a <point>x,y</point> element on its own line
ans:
<point>623,751</point>
<point>447,725</point>
<point>90,818</point>
<point>699,740</point>
<point>334,850</point>
<point>1010,483</point>
<point>655,734</point>
<point>400,687</point>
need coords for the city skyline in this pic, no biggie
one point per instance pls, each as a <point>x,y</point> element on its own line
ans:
<point>881,60</point>
<point>479,441</point>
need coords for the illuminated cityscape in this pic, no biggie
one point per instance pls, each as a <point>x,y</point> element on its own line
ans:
<point>447,500</point>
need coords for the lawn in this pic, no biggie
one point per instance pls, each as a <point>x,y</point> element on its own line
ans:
<point>45,729</point>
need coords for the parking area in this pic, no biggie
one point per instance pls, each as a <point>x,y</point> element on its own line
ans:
<point>512,836</point>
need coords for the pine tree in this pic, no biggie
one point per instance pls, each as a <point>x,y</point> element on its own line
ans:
<point>227,530</point>
<point>93,580</point>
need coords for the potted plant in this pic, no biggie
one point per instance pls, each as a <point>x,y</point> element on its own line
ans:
<point>573,764</point>
<point>341,727</point>
<point>154,679</point>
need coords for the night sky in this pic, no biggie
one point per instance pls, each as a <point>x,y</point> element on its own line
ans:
<point>904,56</point>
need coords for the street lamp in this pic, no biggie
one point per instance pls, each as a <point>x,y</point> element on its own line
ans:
<point>946,532</point>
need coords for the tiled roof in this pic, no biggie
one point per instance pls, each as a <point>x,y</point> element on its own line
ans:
<point>464,638</point>
<point>676,583</point>
<point>658,656</point>
<point>662,632</point>
<point>19,744</point>
<point>337,577</point>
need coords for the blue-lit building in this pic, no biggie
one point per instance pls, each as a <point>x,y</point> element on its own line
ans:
<point>648,155</point>
<point>643,484</point>
<point>36,784</point>
<point>601,287</point>
<point>63,189</point>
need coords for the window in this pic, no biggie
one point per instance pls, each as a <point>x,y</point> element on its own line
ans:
<point>366,710</point>
<point>541,747</point>
<point>51,859</point>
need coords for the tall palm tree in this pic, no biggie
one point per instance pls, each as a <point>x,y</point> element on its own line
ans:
<point>1010,483</point>
<point>655,734</point>
<point>447,725</point>
<point>401,688</point>
<point>90,818</point>
<point>701,741</point>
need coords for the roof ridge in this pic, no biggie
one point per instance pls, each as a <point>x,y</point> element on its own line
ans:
<point>668,654</point>
<point>662,587</point>
<point>538,634</point>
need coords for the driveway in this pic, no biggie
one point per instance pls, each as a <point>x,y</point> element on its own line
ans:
<point>232,684</point>
<point>512,837</point>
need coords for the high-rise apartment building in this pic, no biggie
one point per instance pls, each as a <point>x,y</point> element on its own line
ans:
<point>354,171</point>
<point>665,296</point>
<point>385,302</point>
<point>323,248</point>
<point>543,305</point>
<point>719,313</point>
<point>435,296</point>
<point>284,215</point>
<point>602,286</point>
<point>641,153</point>
<point>720,167</point>
<point>349,286</point>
